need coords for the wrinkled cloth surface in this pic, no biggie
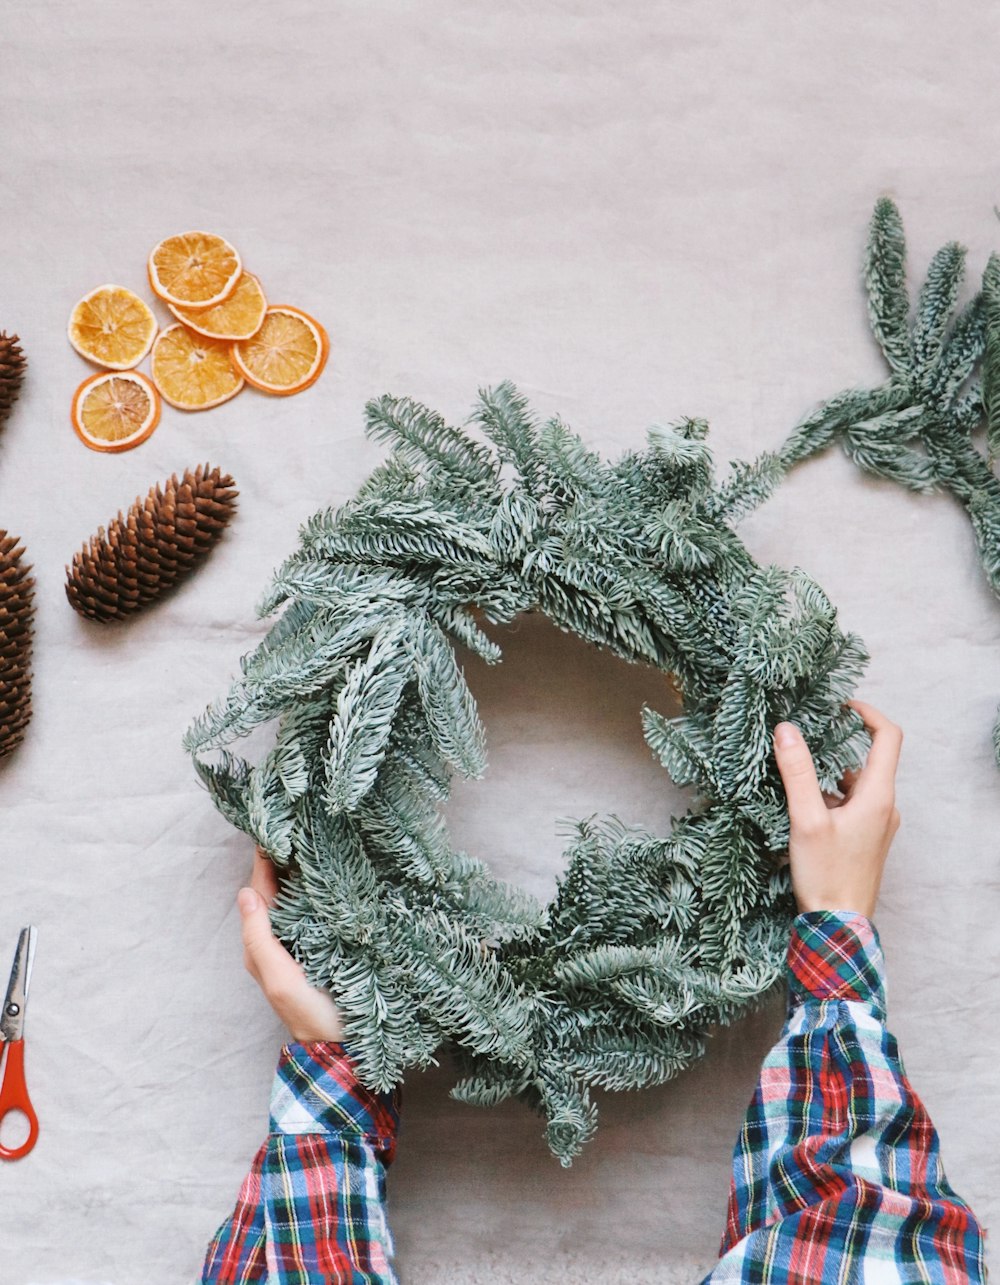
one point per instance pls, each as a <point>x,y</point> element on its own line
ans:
<point>635,213</point>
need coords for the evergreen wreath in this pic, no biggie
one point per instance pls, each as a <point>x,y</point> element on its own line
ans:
<point>649,940</point>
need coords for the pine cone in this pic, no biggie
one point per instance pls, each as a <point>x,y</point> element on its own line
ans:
<point>17,616</point>
<point>160,539</point>
<point>12,365</point>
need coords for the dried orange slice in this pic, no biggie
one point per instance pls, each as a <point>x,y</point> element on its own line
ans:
<point>112,327</point>
<point>194,269</point>
<point>237,317</point>
<point>115,411</point>
<point>286,354</point>
<point>192,372</point>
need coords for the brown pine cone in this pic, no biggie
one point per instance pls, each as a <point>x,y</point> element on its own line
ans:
<point>12,366</point>
<point>17,616</point>
<point>159,540</point>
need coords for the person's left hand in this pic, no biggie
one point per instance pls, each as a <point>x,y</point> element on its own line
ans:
<point>309,1013</point>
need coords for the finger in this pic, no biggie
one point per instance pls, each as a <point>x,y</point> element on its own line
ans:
<point>264,878</point>
<point>798,775</point>
<point>845,787</point>
<point>877,777</point>
<point>265,956</point>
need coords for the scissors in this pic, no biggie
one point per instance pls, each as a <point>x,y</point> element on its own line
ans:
<point>13,1089</point>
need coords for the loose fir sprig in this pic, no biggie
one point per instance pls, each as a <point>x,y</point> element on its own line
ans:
<point>917,428</point>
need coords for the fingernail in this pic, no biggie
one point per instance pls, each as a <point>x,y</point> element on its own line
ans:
<point>246,899</point>
<point>784,734</point>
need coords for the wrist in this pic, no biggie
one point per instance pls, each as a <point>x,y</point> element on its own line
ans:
<point>311,1016</point>
<point>836,906</point>
<point>309,1033</point>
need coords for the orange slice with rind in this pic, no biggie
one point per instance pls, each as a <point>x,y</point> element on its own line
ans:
<point>287,353</point>
<point>192,372</point>
<point>115,410</point>
<point>237,317</point>
<point>194,269</point>
<point>112,327</point>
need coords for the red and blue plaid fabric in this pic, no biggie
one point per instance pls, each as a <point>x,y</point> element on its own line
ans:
<point>312,1208</point>
<point>837,1173</point>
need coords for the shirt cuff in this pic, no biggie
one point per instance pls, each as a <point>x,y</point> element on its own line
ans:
<point>836,954</point>
<point>316,1090</point>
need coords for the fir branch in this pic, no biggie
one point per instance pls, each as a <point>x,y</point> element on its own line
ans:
<point>885,280</point>
<point>506,418</point>
<point>682,747</point>
<point>572,1117</point>
<point>742,737</point>
<point>381,1026</point>
<point>962,349</point>
<point>226,782</point>
<point>497,910</point>
<point>874,454</point>
<point>362,725</point>
<point>935,305</point>
<point>452,718</point>
<point>425,442</point>
<point>991,362</point>
<point>684,539</point>
<point>270,810</point>
<point>473,998</point>
<point>301,734</point>
<point>340,587</point>
<point>571,470</point>
<point>932,397</point>
<point>825,425</point>
<point>461,626</point>
<point>683,447</point>
<point>750,483</point>
<point>490,1085</point>
<point>397,532</point>
<point>634,1059</point>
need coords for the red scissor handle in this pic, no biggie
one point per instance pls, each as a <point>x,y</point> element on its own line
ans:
<point>14,1097</point>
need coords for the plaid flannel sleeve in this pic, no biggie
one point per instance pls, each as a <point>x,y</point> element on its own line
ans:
<point>837,1174</point>
<point>312,1207</point>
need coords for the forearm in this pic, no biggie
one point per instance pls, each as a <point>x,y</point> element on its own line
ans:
<point>837,1161</point>
<point>314,1199</point>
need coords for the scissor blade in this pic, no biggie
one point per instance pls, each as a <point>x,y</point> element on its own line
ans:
<point>12,1015</point>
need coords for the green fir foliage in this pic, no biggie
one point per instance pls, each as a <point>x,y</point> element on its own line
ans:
<point>649,940</point>
<point>918,427</point>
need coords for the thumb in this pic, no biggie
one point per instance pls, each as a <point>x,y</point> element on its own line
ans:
<point>798,775</point>
<point>266,957</point>
<point>258,939</point>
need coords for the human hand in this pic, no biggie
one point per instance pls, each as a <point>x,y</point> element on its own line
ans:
<point>838,846</point>
<point>309,1013</point>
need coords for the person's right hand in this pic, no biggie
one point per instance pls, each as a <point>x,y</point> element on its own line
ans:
<point>838,846</point>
